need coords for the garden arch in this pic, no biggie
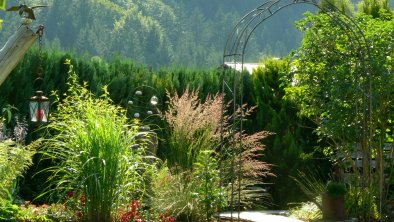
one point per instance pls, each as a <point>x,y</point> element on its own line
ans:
<point>234,54</point>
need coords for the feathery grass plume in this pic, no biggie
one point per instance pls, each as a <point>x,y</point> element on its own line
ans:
<point>194,131</point>
<point>193,147</point>
<point>252,150</point>
<point>193,126</point>
<point>91,142</point>
<point>240,161</point>
<point>253,172</point>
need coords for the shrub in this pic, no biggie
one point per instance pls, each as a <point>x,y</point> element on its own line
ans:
<point>14,160</point>
<point>208,190</point>
<point>335,189</point>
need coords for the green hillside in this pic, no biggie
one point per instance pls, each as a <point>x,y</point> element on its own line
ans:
<point>158,32</point>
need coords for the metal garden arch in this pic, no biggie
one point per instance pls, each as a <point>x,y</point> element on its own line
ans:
<point>234,53</point>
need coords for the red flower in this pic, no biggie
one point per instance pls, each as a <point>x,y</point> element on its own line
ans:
<point>78,214</point>
<point>166,218</point>
<point>83,199</point>
<point>70,194</point>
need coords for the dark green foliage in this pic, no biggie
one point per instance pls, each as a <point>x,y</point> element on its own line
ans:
<point>335,189</point>
<point>122,77</point>
<point>291,148</point>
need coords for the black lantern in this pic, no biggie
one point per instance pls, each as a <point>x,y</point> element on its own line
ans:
<point>39,104</point>
<point>39,108</point>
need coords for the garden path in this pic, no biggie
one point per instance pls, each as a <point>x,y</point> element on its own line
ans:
<point>260,216</point>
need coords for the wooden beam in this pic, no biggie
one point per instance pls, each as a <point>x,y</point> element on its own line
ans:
<point>14,50</point>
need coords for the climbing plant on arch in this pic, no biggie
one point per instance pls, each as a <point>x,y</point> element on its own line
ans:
<point>355,129</point>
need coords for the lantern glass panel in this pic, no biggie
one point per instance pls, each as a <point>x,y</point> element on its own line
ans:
<point>43,112</point>
<point>33,110</point>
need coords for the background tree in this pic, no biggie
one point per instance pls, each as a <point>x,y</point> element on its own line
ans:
<point>290,149</point>
<point>328,90</point>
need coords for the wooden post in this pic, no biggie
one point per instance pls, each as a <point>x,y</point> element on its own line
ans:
<point>14,50</point>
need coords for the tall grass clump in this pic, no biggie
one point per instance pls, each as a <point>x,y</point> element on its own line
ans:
<point>90,142</point>
<point>312,184</point>
<point>189,185</point>
<point>194,126</point>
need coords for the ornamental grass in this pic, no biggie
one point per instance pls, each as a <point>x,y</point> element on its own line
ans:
<point>91,144</point>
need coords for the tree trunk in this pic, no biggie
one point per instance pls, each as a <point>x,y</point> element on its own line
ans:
<point>14,50</point>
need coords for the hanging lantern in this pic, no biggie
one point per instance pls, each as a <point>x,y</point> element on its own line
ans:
<point>39,108</point>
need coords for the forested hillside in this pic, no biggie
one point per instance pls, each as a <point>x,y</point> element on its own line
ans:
<point>158,32</point>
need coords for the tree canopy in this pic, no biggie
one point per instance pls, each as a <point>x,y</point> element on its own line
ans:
<point>351,106</point>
